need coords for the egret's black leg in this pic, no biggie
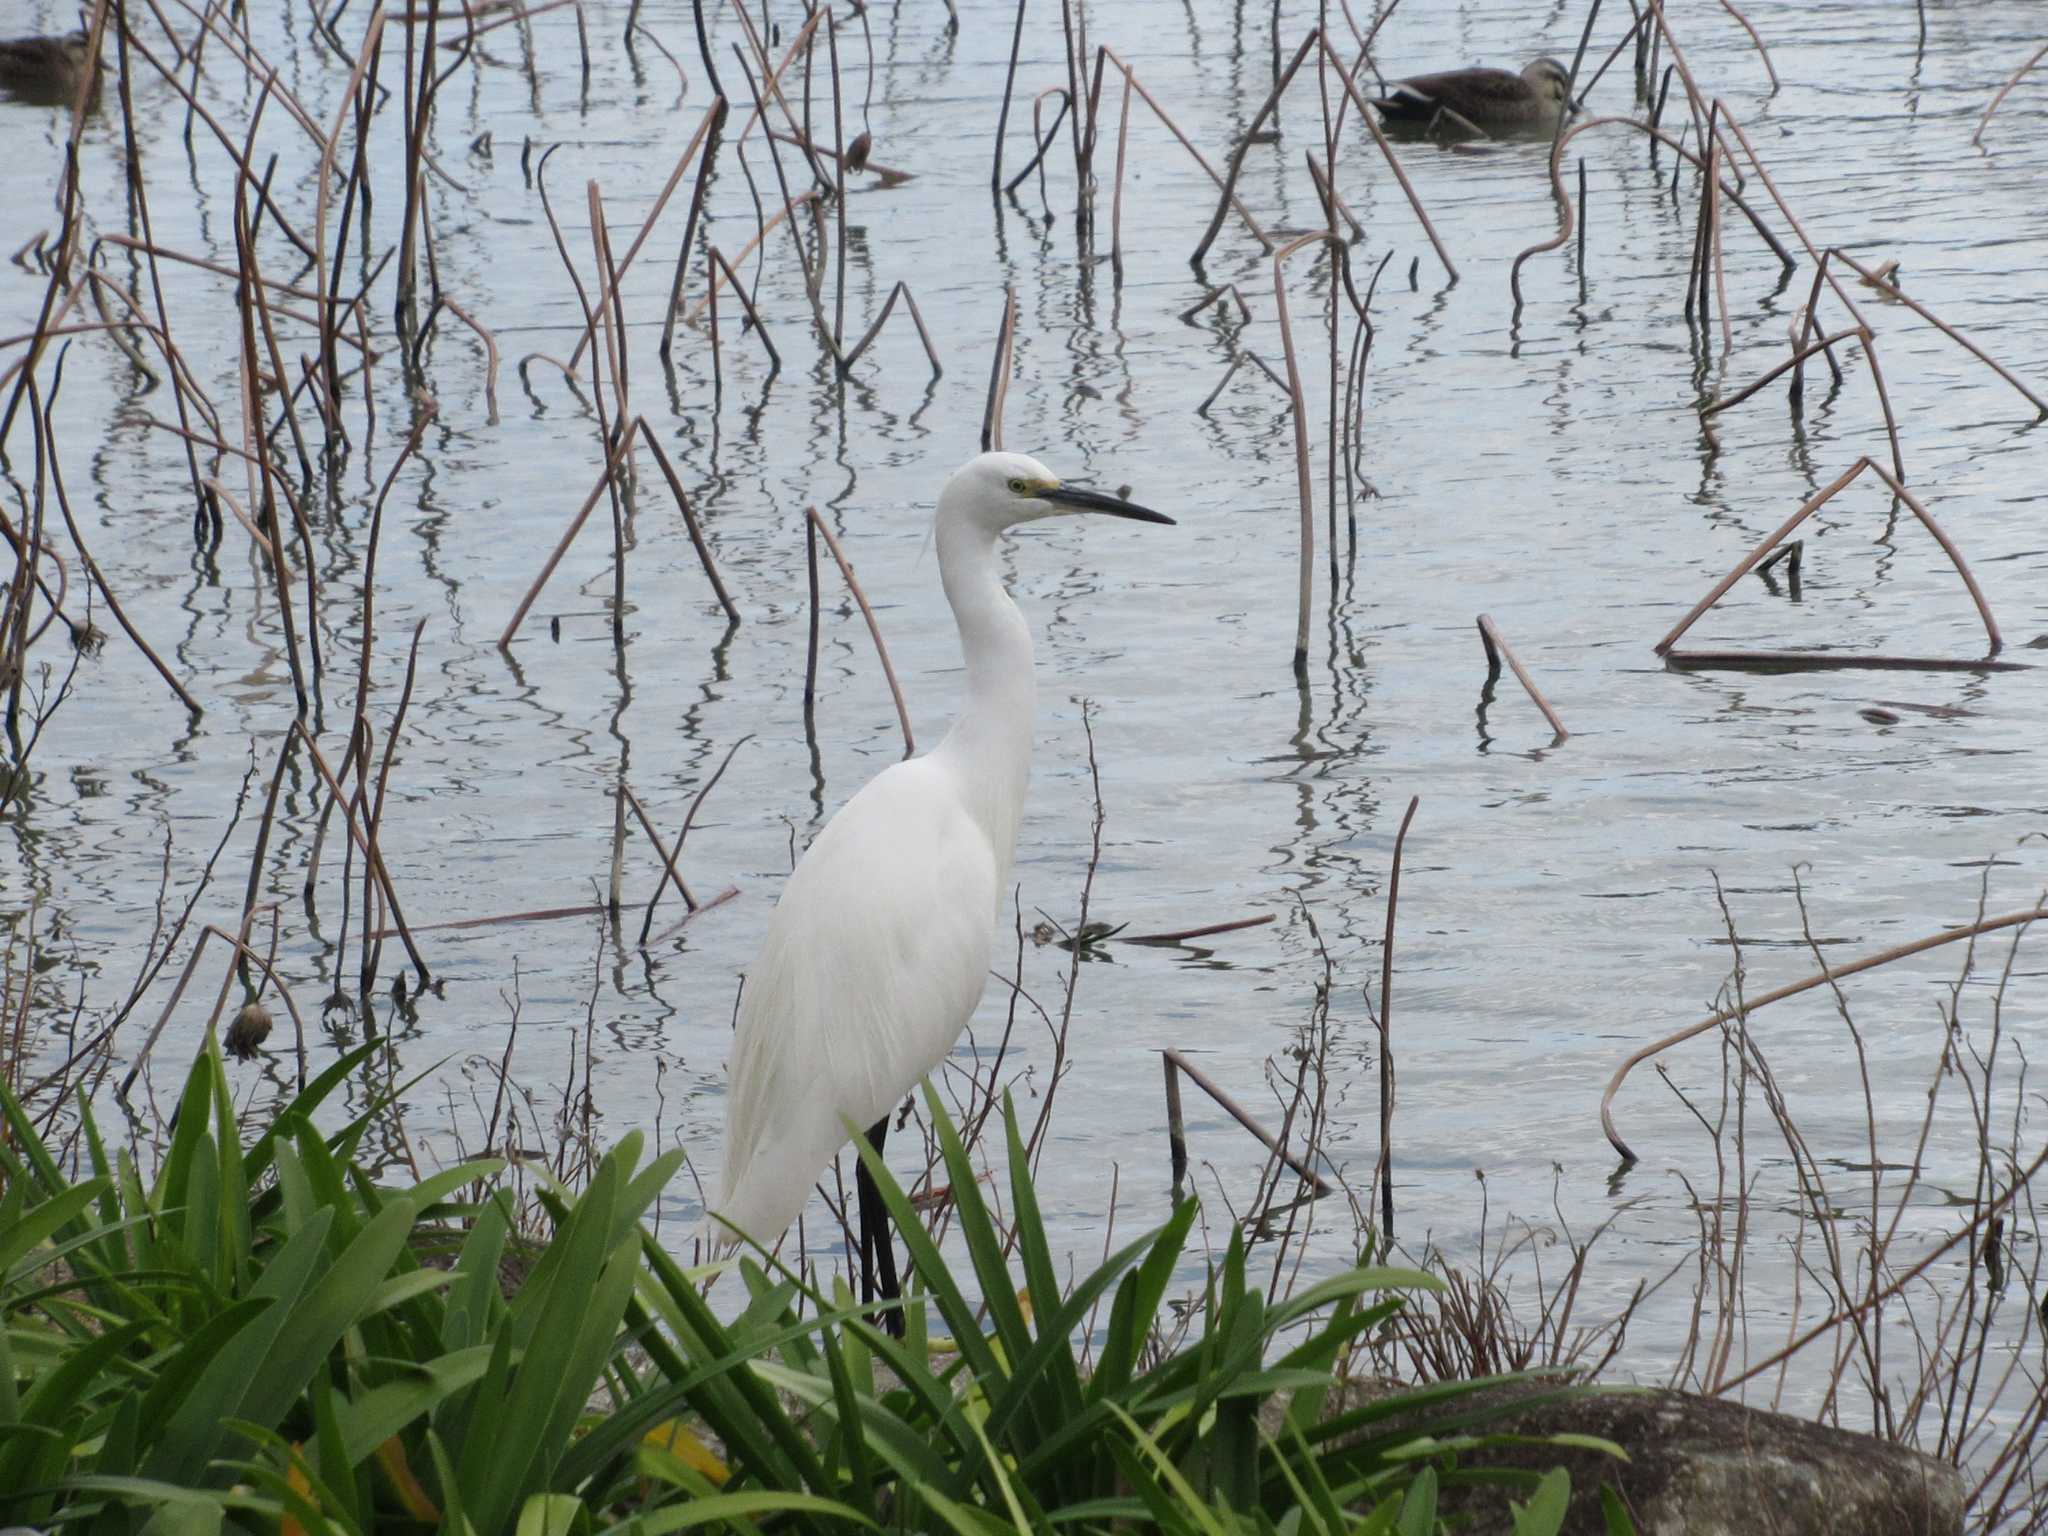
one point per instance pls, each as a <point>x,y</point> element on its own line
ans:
<point>877,1252</point>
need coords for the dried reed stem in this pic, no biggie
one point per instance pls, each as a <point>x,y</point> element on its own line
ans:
<point>1813,504</point>
<point>1384,1172</point>
<point>874,629</point>
<point>1176,1062</point>
<point>2038,55</point>
<point>1496,646</point>
<point>1827,977</point>
<point>999,366</point>
<point>669,871</point>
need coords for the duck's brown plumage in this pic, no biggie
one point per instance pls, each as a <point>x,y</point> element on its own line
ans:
<point>44,68</point>
<point>1492,100</point>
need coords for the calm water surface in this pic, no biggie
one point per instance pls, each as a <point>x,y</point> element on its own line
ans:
<point>1558,903</point>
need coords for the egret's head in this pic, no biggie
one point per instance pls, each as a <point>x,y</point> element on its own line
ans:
<point>998,490</point>
<point>1552,80</point>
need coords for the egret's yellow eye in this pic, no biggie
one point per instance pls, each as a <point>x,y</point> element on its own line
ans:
<point>1020,487</point>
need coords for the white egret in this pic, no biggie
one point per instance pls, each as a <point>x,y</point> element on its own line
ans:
<point>878,950</point>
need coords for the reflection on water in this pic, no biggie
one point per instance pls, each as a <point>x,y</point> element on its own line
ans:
<point>1558,901</point>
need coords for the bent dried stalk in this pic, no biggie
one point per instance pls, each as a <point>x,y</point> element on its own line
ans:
<point>1176,1064</point>
<point>1825,977</point>
<point>999,368</point>
<point>669,871</point>
<point>2039,54</point>
<point>1812,505</point>
<point>874,629</point>
<point>1496,647</point>
<point>1567,211</point>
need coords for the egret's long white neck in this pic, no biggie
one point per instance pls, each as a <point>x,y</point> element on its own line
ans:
<point>990,742</point>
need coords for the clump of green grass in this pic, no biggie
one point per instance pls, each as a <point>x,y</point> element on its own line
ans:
<point>250,1340</point>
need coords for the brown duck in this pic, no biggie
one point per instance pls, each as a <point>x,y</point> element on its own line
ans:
<point>1488,101</point>
<point>44,69</point>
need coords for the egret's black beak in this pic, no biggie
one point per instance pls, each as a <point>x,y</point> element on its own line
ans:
<point>1095,501</point>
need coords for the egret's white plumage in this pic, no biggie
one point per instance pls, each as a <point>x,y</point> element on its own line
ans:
<point>879,948</point>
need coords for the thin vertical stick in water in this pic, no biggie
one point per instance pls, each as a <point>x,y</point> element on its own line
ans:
<point>1497,647</point>
<point>1304,482</point>
<point>1176,1124</point>
<point>675,293</point>
<point>874,629</point>
<point>995,176</point>
<point>1385,1171</point>
<point>838,190</point>
<point>811,650</point>
<point>675,178</point>
<point>1116,205</point>
<point>999,376</point>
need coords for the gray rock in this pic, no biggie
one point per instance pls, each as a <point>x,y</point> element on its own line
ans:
<point>1707,1467</point>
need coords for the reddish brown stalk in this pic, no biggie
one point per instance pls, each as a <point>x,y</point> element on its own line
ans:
<point>1893,291</point>
<point>575,527</point>
<point>540,915</point>
<point>1371,121</point>
<point>1884,398</point>
<point>1812,505</point>
<point>1825,977</point>
<point>668,860</point>
<point>1133,83</point>
<point>901,290</point>
<point>366,841</point>
<point>1830,661</point>
<point>675,178</point>
<point>246,954</point>
<point>809,195</point>
<point>999,370</point>
<point>675,486</point>
<point>1178,1063</point>
<point>1825,344</point>
<point>799,41</point>
<point>1756,38</point>
<point>688,918</point>
<point>1207,930</point>
<point>490,354</point>
<point>874,629</point>
<point>1244,144</point>
<point>669,871</point>
<point>1496,647</point>
<point>2038,55</point>
<point>1567,220</point>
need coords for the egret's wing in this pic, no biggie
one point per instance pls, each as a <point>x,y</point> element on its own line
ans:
<point>874,959</point>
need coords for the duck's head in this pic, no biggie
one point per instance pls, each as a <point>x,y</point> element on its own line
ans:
<point>995,491</point>
<point>1551,79</point>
